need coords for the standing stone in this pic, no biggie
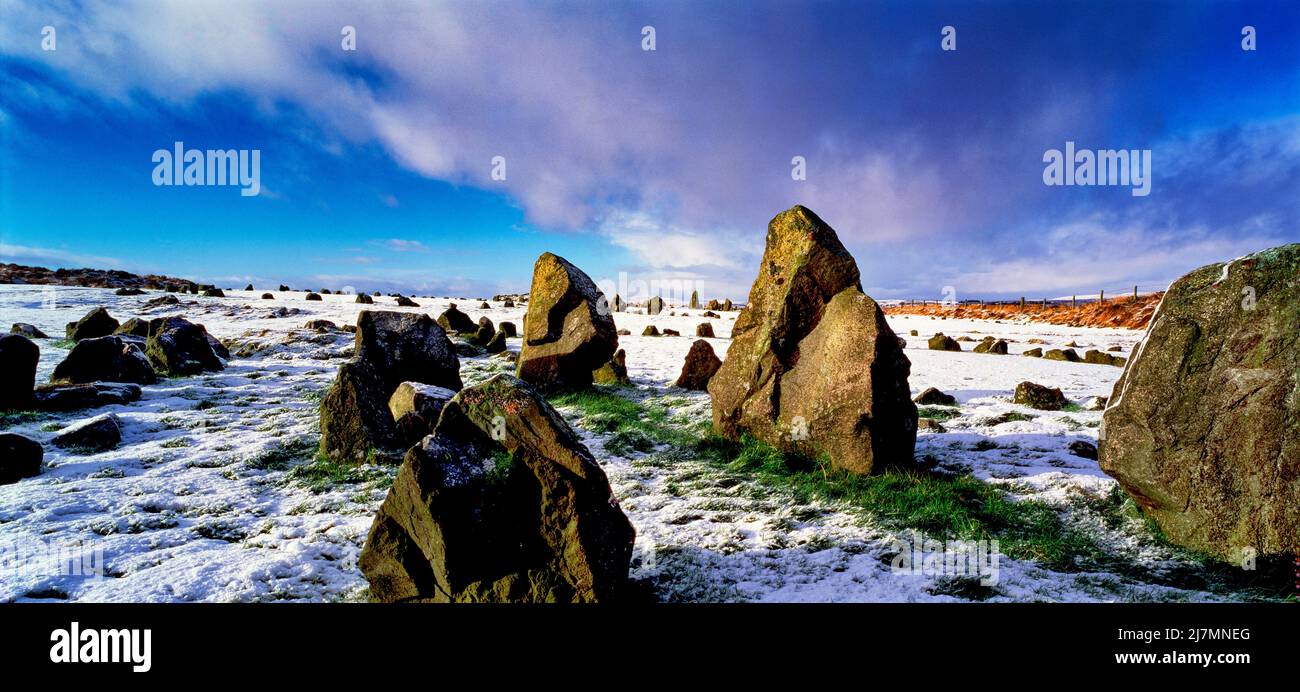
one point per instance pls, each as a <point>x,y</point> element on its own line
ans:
<point>1203,426</point>
<point>568,330</point>
<point>655,306</point>
<point>813,367</point>
<point>502,503</point>
<point>618,303</point>
<point>96,323</point>
<point>942,342</point>
<point>1039,396</point>
<point>18,358</point>
<point>407,347</point>
<point>726,305</point>
<point>364,299</point>
<point>992,345</point>
<point>700,366</point>
<point>695,300</point>
<point>704,329</point>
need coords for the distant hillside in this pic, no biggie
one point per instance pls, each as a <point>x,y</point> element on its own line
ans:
<point>90,278</point>
<point>1116,312</point>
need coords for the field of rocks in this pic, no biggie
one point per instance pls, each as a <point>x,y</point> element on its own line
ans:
<point>278,445</point>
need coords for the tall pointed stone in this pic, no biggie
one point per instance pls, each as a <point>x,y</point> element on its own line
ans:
<point>568,331</point>
<point>813,368</point>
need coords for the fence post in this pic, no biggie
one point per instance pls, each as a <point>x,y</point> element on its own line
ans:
<point>1074,301</point>
<point>1101,297</point>
<point>1135,294</point>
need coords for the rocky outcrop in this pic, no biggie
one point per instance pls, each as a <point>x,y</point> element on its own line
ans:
<point>700,367</point>
<point>502,503</point>
<point>20,457</point>
<point>568,331</point>
<point>1203,426</point>
<point>105,359</point>
<point>96,323</point>
<point>18,358</point>
<point>813,368</point>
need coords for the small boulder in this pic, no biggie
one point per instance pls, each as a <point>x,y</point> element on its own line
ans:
<point>213,293</point>
<point>128,292</point>
<point>1087,450</point>
<point>364,299</point>
<point>1036,352</point>
<point>932,396</point>
<point>940,342</point>
<point>179,348</point>
<point>704,330</point>
<point>162,302</point>
<point>313,296</point>
<point>1102,358</point>
<point>1039,397</point>
<point>614,372</point>
<point>484,306</point>
<point>509,329</point>
<point>321,325</point>
<point>134,327</point>
<point>1096,403</point>
<point>268,296</point>
<point>96,323</point>
<point>105,359</point>
<point>672,332</point>
<point>415,407</point>
<point>20,457</point>
<point>457,322</point>
<point>497,343</point>
<point>28,330</point>
<point>650,330</point>
<point>403,301</point>
<point>700,367</point>
<point>98,434</point>
<point>993,346</point>
<point>72,397</point>
<point>18,359</point>
<point>249,287</point>
<point>1068,355</point>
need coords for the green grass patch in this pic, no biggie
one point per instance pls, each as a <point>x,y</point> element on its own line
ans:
<point>12,418</point>
<point>281,456</point>
<point>939,413</point>
<point>632,426</point>
<point>940,505</point>
<point>322,474</point>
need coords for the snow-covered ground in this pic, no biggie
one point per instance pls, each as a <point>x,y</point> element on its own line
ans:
<point>212,496</point>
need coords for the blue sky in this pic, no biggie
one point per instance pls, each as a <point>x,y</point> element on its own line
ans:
<point>663,165</point>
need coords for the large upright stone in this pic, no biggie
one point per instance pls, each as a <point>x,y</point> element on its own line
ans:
<point>568,331</point>
<point>813,368</point>
<point>501,503</point>
<point>1203,426</point>
<point>18,358</point>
